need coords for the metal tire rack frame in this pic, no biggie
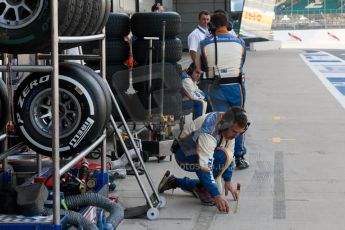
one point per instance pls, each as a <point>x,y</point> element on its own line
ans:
<point>154,201</point>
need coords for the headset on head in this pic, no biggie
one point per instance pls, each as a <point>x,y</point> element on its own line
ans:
<point>212,27</point>
<point>191,69</point>
<point>226,123</point>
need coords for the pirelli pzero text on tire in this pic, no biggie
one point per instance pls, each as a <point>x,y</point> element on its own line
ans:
<point>150,24</point>
<point>118,25</point>
<point>173,50</point>
<point>4,105</point>
<point>82,110</point>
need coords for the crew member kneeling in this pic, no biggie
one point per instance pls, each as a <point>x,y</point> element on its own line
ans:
<point>206,147</point>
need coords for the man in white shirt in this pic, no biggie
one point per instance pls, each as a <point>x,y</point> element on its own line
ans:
<point>198,34</point>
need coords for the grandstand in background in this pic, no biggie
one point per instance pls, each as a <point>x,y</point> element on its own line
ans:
<point>309,14</point>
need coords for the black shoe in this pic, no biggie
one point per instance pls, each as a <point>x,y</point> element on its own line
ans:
<point>168,182</point>
<point>241,163</point>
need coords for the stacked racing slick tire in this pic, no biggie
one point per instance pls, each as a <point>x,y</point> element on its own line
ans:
<point>151,25</point>
<point>83,110</point>
<point>117,49</point>
<point>25,25</point>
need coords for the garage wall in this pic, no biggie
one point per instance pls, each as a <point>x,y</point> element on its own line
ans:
<point>128,6</point>
<point>189,9</point>
<point>168,5</point>
<point>145,5</point>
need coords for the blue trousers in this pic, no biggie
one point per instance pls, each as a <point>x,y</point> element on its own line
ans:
<point>194,105</point>
<point>221,98</point>
<point>186,163</point>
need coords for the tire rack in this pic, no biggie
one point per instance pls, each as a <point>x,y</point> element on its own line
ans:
<point>54,69</point>
<point>154,201</point>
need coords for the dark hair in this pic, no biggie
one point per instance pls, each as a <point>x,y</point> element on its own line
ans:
<point>220,11</point>
<point>219,19</point>
<point>234,115</point>
<point>155,6</point>
<point>203,12</point>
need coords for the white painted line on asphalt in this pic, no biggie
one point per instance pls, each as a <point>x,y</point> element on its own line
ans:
<point>331,72</point>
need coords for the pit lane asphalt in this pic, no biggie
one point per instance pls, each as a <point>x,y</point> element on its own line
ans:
<point>296,150</point>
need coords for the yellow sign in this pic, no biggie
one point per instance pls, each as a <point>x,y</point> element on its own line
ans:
<point>258,18</point>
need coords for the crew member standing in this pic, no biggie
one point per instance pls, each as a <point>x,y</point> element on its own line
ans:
<point>222,57</point>
<point>198,34</point>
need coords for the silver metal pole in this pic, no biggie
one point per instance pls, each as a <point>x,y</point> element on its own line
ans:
<point>70,39</point>
<point>3,137</point>
<point>103,74</point>
<point>11,151</point>
<point>150,86</point>
<point>133,143</point>
<point>28,68</point>
<point>150,75</point>
<point>38,156</point>
<point>55,109</point>
<point>72,57</point>
<point>7,77</point>
<point>39,164</point>
<point>81,155</point>
<point>141,185</point>
<point>163,69</point>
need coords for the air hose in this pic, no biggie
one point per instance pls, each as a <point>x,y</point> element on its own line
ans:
<point>93,199</point>
<point>74,218</point>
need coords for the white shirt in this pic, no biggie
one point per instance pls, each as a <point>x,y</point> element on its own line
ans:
<point>194,38</point>
<point>192,90</point>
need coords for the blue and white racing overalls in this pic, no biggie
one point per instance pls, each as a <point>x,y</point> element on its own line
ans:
<point>203,150</point>
<point>228,90</point>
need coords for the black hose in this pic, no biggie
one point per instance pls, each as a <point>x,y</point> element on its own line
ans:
<point>93,199</point>
<point>136,212</point>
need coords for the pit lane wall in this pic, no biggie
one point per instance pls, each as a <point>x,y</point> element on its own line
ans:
<point>311,39</point>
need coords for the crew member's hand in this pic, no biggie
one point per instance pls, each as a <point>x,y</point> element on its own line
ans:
<point>221,203</point>
<point>228,187</point>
